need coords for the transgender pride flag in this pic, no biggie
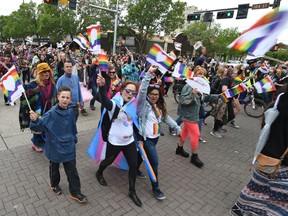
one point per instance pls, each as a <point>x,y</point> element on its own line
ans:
<point>93,32</point>
<point>157,56</point>
<point>11,85</point>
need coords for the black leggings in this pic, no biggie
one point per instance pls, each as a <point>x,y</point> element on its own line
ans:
<point>130,153</point>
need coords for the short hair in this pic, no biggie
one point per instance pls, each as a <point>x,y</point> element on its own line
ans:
<point>64,88</point>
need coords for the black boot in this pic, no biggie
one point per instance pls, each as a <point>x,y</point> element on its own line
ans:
<point>196,161</point>
<point>101,179</point>
<point>134,197</point>
<point>182,152</point>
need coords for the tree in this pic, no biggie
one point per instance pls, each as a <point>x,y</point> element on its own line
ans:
<point>147,18</point>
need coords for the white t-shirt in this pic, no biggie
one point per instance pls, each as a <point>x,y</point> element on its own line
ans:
<point>121,131</point>
<point>153,126</point>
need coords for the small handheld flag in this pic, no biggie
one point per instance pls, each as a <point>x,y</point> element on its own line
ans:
<point>103,62</point>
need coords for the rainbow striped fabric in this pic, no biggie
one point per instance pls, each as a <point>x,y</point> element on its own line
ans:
<point>82,41</point>
<point>237,89</point>
<point>260,37</point>
<point>265,85</point>
<point>182,71</point>
<point>103,62</point>
<point>11,85</point>
<point>169,79</point>
<point>93,32</point>
<point>224,98</point>
<point>157,56</point>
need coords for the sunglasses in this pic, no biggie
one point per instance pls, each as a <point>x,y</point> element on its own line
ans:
<point>46,71</point>
<point>111,72</point>
<point>128,91</point>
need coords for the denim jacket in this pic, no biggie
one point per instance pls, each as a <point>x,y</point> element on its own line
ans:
<point>144,108</point>
<point>189,105</point>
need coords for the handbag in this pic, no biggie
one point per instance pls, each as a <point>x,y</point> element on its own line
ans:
<point>269,165</point>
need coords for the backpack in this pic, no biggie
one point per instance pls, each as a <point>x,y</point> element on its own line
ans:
<point>107,122</point>
<point>216,85</point>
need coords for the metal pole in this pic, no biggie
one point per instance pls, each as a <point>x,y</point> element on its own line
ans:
<point>115,28</point>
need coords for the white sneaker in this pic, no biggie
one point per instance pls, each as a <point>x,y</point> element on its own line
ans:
<point>216,134</point>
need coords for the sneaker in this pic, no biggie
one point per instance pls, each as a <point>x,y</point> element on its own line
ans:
<point>162,134</point>
<point>84,112</point>
<point>223,130</point>
<point>236,211</point>
<point>141,175</point>
<point>79,198</point>
<point>57,190</point>
<point>216,134</point>
<point>232,124</point>
<point>202,140</point>
<point>158,194</point>
<point>92,107</point>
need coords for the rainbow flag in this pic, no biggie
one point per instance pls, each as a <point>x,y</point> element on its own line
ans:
<point>237,89</point>
<point>172,53</point>
<point>11,85</point>
<point>260,37</point>
<point>157,56</point>
<point>264,85</point>
<point>116,82</point>
<point>146,162</point>
<point>103,62</point>
<point>169,79</point>
<point>182,71</point>
<point>82,41</point>
<point>224,98</point>
<point>93,32</point>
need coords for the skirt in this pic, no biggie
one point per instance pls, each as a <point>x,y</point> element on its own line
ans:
<point>266,195</point>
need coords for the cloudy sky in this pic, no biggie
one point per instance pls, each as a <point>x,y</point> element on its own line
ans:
<point>6,7</point>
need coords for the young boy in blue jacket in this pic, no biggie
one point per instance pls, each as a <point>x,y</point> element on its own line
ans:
<point>59,123</point>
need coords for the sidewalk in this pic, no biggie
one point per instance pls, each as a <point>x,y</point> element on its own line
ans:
<point>212,190</point>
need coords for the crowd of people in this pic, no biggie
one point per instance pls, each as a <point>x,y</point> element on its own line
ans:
<point>51,79</point>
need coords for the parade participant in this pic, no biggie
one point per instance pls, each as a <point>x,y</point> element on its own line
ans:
<point>41,95</point>
<point>72,81</point>
<point>59,124</point>
<point>130,70</point>
<point>188,110</point>
<point>152,112</point>
<point>4,67</point>
<point>120,134</point>
<point>24,67</point>
<point>267,194</point>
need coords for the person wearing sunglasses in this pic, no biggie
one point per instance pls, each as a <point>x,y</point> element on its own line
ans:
<point>152,112</point>
<point>119,135</point>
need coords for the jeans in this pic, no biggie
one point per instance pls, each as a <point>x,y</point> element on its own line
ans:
<point>71,173</point>
<point>151,152</point>
<point>94,93</point>
<point>39,140</point>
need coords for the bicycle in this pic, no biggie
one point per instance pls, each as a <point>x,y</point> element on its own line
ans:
<point>177,88</point>
<point>253,107</point>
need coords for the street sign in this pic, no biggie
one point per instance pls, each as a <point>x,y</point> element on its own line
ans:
<point>260,6</point>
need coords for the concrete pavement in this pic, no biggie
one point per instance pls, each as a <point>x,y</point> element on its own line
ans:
<point>212,190</point>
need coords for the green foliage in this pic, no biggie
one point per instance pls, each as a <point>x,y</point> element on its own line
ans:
<point>281,54</point>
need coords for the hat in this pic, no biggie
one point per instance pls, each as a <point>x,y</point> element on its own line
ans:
<point>251,61</point>
<point>42,67</point>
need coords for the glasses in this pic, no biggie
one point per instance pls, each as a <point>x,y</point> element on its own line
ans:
<point>153,94</point>
<point>154,86</point>
<point>111,72</point>
<point>128,91</point>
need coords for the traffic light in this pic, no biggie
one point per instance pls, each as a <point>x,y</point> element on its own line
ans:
<point>72,4</point>
<point>242,11</point>
<point>64,2</point>
<point>276,3</point>
<point>52,2</point>
<point>225,14</point>
<point>208,17</point>
<point>191,17</point>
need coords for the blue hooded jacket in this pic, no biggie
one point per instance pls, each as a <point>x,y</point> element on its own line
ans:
<point>60,127</point>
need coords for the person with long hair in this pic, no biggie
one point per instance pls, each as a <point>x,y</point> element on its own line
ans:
<point>120,125</point>
<point>41,94</point>
<point>152,112</point>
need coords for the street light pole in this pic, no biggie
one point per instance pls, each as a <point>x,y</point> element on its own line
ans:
<point>115,28</point>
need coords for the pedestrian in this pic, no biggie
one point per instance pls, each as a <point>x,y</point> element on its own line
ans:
<point>130,70</point>
<point>152,112</point>
<point>267,191</point>
<point>59,123</point>
<point>188,109</point>
<point>41,94</point>
<point>119,133</point>
<point>72,81</point>
<point>4,67</point>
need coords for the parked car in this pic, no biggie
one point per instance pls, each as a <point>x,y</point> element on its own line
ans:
<point>233,63</point>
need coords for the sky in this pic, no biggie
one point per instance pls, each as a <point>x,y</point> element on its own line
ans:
<point>7,7</point>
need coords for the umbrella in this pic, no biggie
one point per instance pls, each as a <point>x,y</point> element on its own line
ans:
<point>270,116</point>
